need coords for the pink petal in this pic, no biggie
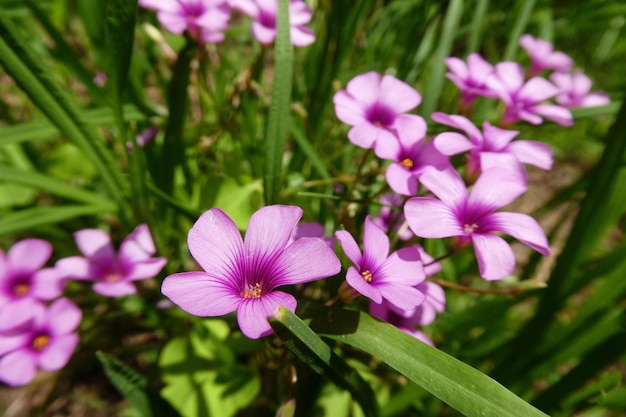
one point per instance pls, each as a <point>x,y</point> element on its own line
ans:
<point>452,143</point>
<point>171,6</point>
<point>365,88</point>
<point>375,243</point>
<point>47,284</point>
<point>511,74</point>
<point>410,130</point>
<point>459,122</point>
<point>595,99</point>
<point>495,139</point>
<point>446,184</point>
<point>269,230</point>
<point>247,7</point>
<point>263,34</point>
<point>252,313</point>
<point>537,89</point>
<point>531,152</point>
<point>495,257</point>
<point>524,228</point>
<point>495,188</point>
<point>555,113</point>
<point>366,134</point>
<point>146,269</point>
<point>29,255</point>
<point>305,260</point>
<point>388,149</point>
<point>75,267</point>
<point>63,316</point>
<point>398,95</point>
<point>458,67</point>
<point>18,314</point>
<point>173,22</point>
<point>115,289</point>
<point>95,244</point>
<point>301,36</point>
<point>299,13</point>
<point>500,160</point>
<point>400,180</point>
<point>401,267</point>
<point>430,218</point>
<point>348,109</point>
<point>56,355</point>
<point>560,61</point>
<point>479,68</point>
<point>401,296</point>
<point>349,246</point>
<point>215,243</point>
<point>13,340</point>
<point>138,246</point>
<point>202,294</point>
<point>360,285</point>
<point>18,368</point>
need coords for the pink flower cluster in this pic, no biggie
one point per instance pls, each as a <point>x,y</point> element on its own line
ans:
<point>34,335</point>
<point>526,97</point>
<point>206,20</point>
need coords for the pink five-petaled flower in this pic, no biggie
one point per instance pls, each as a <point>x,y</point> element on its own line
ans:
<point>410,155</point>
<point>470,77</point>
<point>241,275</point>
<point>574,90</point>
<point>471,218</point>
<point>113,273</point>
<point>265,14</point>
<point>542,55</point>
<point>372,105</point>
<point>204,20</point>
<point>378,275</point>
<point>23,282</point>
<point>493,147</point>
<point>47,344</point>
<point>524,99</point>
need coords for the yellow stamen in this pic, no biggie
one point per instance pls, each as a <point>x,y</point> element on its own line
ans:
<point>407,163</point>
<point>21,289</point>
<point>253,291</point>
<point>40,342</point>
<point>367,275</point>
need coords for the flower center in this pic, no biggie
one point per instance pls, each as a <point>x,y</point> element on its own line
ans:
<point>380,115</point>
<point>253,291</point>
<point>367,275</point>
<point>21,289</point>
<point>113,277</point>
<point>469,228</point>
<point>407,163</point>
<point>40,342</point>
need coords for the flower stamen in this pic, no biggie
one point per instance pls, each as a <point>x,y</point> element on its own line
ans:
<point>407,163</point>
<point>21,289</point>
<point>367,275</point>
<point>253,291</point>
<point>40,342</point>
<point>470,228</point>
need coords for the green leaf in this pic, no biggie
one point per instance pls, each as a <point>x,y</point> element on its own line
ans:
<point>278,120</point>
<point>135,388</point>
<point>31,218</point>
<point>454,382</point>
<point>23,64</point>
<point>308,346</point>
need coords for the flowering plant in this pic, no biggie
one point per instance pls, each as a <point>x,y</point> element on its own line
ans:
<point>313,208</point>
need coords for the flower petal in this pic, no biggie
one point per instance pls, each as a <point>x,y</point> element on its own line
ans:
<point>398,95</point>
<point>75,267</point>
<point>360,285</point>
<point>495,188</point>
<point>375,244</point>
<point>95,244</point>
<point>495,257</point>
<point>201,294</point>
<point>263,34</point>
<point>400,180</point>
<point>524,228</point>
<point>452,143</point>
<point>138,246</point>
<point>365,87</point>
<point>401,296</point>
<point>302,36</point>
<point>18,368</point>
<point>431,218</point>
<point>63,316</point>
<point>47,284</point>
<point>58,352</point>
<point>18,314</point>
<point>349,246</point>
<point>305,260</point>
<point>269,231</point>
<point>29,255</point>
<point>446,184</point>
<point>115,289</point>
<point>14,340</point>
<point>366,135</point>
<point>216,244</point>
<point>532,152</point>
<point>557,114</point>
<point>173,22</point>
<point>459,122</point>
<point>146,269</point>
<point>537,89</point>
<point>252,313</point>
<point>348,109</point>
<point>401,267</point>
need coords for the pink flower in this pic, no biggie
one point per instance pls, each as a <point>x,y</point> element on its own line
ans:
<point>542,55</point>
<point>48,344</point>
<point>574,90</point>
<point>372,105</point>
<point>391,217</point>
<point>204,20</point>
<point>493,147</point>
<point>265,14</point>
<point>23,282</point>
<point>387,312</point>
<point>410,155</point>
<point>470,77</point>
<point>378,275</point>
<point>241,274</point>
<point>524,99</point>
<point>470,217</point>
<point>311,230</point>
<point>113,273</point>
